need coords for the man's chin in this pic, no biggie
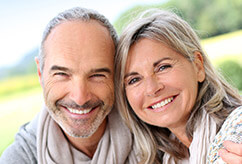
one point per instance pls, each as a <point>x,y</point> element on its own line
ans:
<point>78,134</point>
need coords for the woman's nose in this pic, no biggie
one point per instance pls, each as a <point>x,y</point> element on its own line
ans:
<point>153,86</point>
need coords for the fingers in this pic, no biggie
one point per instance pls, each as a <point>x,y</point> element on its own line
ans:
<point>232,154</point>
<point>229,158</point>
<point>232,147</point>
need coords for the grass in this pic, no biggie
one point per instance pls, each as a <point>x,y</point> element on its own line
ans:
<point>16,84</point>
<point>21,98</point>
<point>224,47</point>
<point>15,110</point>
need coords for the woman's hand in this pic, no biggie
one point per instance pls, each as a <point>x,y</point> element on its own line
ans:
<point>232,154</point>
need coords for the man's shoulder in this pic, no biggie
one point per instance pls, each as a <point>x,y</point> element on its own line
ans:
<point>23,149</point>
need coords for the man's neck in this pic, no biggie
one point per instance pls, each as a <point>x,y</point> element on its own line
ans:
<point>88,145</point>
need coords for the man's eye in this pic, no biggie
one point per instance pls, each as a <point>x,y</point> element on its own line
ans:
<point>98,75</point>
<point>60,74</point>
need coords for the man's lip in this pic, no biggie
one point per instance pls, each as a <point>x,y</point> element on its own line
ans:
<point>79,111</point>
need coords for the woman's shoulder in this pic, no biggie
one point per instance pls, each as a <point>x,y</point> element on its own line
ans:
<point>232,123</point>
<point>235,115</point>
<point>231,126</point>
<point>231,130</point>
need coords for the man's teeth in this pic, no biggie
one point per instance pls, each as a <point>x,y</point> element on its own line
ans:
<point>162,103</point>
<point>79,111</point>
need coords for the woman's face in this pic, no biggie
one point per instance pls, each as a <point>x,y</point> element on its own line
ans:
<point>161,85</point>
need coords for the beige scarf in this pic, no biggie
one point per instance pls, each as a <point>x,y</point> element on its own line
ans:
<point>202,137</point>
<point>114,147</point>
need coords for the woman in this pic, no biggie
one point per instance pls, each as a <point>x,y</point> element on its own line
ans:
<point>170,95</point>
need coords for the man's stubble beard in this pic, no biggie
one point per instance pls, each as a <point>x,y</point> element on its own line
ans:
<point>86,132</point>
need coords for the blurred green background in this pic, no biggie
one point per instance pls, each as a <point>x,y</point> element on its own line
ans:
<point>217,22</point>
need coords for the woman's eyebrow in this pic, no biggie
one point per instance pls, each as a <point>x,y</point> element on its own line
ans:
<point>130,74</point>
<point>157,62</point>
<point>154,65</point>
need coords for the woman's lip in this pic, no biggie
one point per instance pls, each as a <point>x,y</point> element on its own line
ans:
<point>174,96</point>
<point>162,108</point>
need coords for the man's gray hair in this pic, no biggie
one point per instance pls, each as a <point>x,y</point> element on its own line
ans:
<point>75,14</point>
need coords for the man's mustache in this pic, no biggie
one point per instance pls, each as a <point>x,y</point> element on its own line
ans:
<point>88,105</point>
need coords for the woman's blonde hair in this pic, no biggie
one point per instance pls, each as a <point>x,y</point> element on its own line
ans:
<point>215,95</point>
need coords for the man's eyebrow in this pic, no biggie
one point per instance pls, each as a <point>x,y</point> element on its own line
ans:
<point>157,62</point>
<point>58,68</point>
<point>107,70</point>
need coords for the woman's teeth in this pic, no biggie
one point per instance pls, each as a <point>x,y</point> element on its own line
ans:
<point>162,103</point>
<point>79,111</point>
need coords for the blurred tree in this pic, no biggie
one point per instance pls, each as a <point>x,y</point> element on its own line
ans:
<point>232,71</point>
<point>129,15</point>
<point>209,18</point>
<point>25,66</point>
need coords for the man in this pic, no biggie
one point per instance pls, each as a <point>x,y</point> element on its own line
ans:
<point>78,122</point>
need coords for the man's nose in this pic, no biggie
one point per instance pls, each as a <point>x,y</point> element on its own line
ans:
<point>153,86</point>
<point>80,91</point>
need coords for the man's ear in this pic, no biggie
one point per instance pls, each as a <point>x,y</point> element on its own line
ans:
<point>198,61</point>
<point>38,70</point>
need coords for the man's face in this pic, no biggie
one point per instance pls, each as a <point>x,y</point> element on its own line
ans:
<point>77,78</point>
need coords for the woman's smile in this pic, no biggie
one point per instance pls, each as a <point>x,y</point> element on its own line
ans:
<point>161,85</point>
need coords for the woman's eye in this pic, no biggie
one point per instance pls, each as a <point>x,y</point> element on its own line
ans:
<point>132,81</point>
<point>164,67</point>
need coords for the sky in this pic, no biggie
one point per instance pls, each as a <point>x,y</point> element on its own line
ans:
<point>23,21</point>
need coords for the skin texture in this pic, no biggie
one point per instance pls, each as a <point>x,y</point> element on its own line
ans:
<point>78,75</point>
<point>155,72</point>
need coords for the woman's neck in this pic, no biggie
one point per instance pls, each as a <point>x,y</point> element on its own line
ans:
<point>180,133</point>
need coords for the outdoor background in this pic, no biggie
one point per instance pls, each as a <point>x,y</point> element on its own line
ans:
<point>218,23</point>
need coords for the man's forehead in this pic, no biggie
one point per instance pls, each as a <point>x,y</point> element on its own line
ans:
<point>88,32</point>
<point>80,44</point>
<point>77,27</point>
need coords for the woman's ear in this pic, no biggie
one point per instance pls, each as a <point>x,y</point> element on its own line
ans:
<point>198,61</point>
